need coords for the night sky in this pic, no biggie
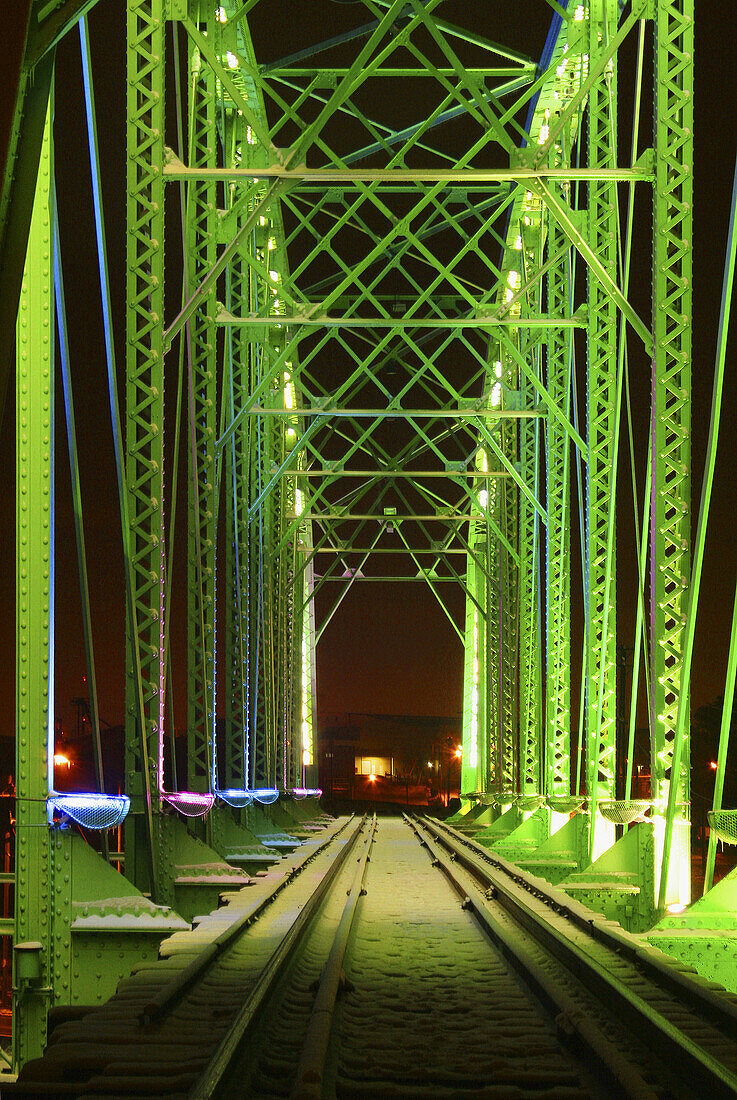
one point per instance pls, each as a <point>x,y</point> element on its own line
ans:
<point>390,648</point>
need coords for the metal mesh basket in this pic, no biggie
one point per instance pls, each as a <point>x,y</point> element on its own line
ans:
<point>265,795</point>
<point>504,798</point>
<point>724,824</point>
<point>189,803</point>
<point>566,803</point>
<point>530,801</point>
<point>91,811</point>
<point>624,813</point>
<point>238,799</point>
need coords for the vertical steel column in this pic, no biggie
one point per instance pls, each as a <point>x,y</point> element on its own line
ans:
<point>309,673</point>
<point>276,610</point>
<point>145,406</point>
<point>530,739</point>
<point>558,543</point>
<point>600,412</point>
<point>259,465</point>
<point>475,675</point>
<point>201,496</point>
<point>489,596</point>
<point>512,624</point>
<point>238,595</point>
<point>34,676</point>
<point>671,423</point>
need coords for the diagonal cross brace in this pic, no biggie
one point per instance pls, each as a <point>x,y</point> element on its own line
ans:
<point>563,215</point>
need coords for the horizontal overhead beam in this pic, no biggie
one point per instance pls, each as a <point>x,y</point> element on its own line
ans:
<point>483,474</point>
<point>398,414</point>
<point>389,71</point>
<point>175,169</point>
<point>342,550</point>
<point>325,321</point>
<point>391,580</point>
<point>338,517</point>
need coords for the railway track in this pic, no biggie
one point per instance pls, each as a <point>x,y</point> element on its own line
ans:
<point>406,961</point>
<point>157,1035</point>
<point>688,1024</point>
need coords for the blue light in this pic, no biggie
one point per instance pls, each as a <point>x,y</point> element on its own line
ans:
<point>91,811</point>
<point>265,795</point>
<point>236,798</point>
<point>306,792</point>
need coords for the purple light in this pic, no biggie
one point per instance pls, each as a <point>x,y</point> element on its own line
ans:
<point>91,811</point>
<point>236,798</point>
<point>189,803</point>
<point>306,792</point>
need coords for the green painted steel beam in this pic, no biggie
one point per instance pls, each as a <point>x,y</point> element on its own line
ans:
<point>600,744</point>
<point>200,246</point>
<point>145,407</point>
<point>670,512</point>
<point>174,169</point>
<point>34,614</point>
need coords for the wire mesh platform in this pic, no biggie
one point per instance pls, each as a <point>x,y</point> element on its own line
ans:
<point>530,801</point>
<point>189,803</point>
<point>621,812</point>
<point>724,824</point>
<point>91,811</point>
<point>566,803</point>
<point>238,799</point>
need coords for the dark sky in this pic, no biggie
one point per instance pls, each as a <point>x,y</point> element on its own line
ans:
<point>390,648</point>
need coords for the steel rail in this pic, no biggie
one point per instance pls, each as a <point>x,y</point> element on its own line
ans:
<point>569,1017</point>
<point>211,1080</point>
<point>311,1067</point>
<point>170,994</point>
<point>671,1043</point>
<point>721,1010</point>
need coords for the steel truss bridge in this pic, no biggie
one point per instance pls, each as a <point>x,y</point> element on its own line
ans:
<point>397,343</point>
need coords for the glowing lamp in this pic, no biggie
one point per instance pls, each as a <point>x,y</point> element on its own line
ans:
<point>676,907</point>
<point>189,803</point>
<point>712,764</point>
<point>459,752</point>
<point>265,795</point>
<point>62,761</point>
<point>92,811</point>
<point>306,792</point>
<point>372,778</point>
<point>236,798</point>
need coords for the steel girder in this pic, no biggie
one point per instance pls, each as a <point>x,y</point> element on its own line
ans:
<point>145,419</point>
<point>601,384</point>
<point>36,897</point>
<point>558,541</point>
<point>33,29</point>
<point>201,358</point>
<point>670,528</point>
